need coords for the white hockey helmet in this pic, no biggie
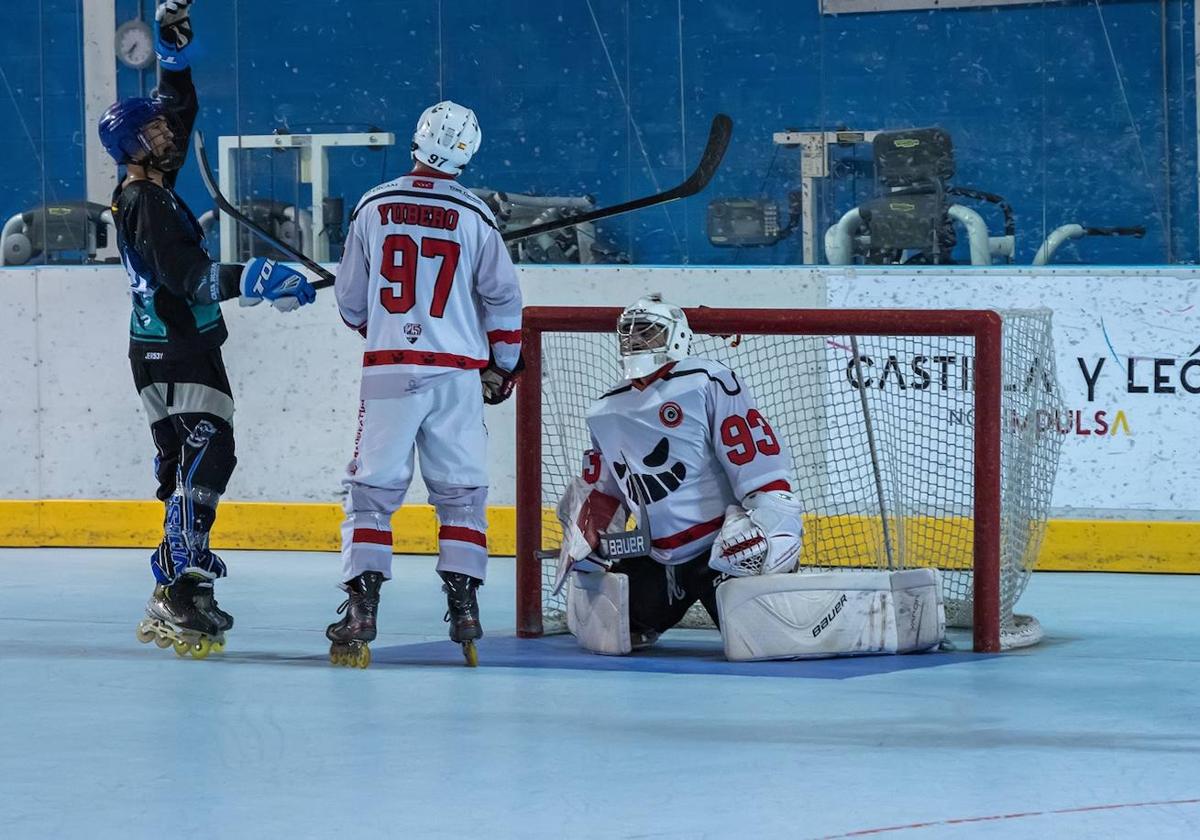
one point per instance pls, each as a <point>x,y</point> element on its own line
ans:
<point>447,136</point>
<point>651,334</point>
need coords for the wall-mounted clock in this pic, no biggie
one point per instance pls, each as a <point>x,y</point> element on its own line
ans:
<point>135,44</point>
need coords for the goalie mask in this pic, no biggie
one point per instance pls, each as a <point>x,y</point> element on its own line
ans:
<point>651,334</point>
<point>447,136</point>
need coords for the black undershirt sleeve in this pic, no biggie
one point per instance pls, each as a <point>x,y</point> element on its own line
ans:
<point>168,246</point>
<point>178,94</point>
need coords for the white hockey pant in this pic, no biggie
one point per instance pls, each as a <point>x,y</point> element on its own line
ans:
<point>444,427</point>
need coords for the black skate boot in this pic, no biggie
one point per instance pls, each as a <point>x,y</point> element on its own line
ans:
<point>351,635</point>
<point>642,639</point>
<point>206,596</point>
<point>173,619</point>
<point>462,611</point>
<point>206,601</point>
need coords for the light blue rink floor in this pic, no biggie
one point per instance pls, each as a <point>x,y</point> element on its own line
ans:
<point>1092,734</point>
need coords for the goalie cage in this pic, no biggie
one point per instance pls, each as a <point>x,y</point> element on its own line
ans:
<point>945,458</point>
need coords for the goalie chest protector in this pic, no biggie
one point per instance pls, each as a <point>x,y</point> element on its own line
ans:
<point>662,443</point>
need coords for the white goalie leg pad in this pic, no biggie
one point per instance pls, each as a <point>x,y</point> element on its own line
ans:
<point>920,611</point>
<point>810,616</point>
<point>598,612</point>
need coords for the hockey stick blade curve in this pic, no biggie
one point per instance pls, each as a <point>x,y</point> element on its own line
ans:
<point>710,161</point>
<point>210,184</point>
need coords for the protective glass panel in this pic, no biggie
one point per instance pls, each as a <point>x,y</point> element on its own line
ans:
<point>1062,132</point>
<point>44,207</point>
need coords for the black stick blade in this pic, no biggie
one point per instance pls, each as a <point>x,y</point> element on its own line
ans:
<point>710,161</point>
<point>714,152</point>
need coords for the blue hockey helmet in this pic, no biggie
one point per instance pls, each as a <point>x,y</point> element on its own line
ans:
<point>122,131</point>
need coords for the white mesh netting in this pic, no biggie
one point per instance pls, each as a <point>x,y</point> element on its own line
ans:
<point>885,472</point>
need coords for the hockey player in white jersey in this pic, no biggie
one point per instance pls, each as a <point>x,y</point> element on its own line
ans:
<point>428,281</point>
<point>681,441</point>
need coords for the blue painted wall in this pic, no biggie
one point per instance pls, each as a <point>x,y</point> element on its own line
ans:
<point>41,104</point>
<point>1073,111</point>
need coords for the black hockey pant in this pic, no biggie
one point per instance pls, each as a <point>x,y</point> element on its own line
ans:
<point>190,408</point>
<point>659,595</point>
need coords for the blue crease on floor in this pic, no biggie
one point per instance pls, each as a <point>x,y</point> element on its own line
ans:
<point>669,656</point>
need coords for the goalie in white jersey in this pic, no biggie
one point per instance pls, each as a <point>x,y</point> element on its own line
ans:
<point>428,281</point>
<point>681,440</point>
<point>681,444</point>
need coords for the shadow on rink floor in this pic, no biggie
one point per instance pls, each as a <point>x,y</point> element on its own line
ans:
<point>681,652</point>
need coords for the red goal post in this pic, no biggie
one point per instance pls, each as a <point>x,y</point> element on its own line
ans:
<point>983,327</point>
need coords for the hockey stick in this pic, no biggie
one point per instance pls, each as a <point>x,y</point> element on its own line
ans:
<point>210,184</point>
<point>710,160</point>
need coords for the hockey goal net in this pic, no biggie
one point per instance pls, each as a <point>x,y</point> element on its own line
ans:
<point>918,438</point>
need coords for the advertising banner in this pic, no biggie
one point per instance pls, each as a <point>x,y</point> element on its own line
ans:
<point>1128,357</point>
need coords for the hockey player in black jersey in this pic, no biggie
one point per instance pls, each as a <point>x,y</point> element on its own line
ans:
<point>175,337</point>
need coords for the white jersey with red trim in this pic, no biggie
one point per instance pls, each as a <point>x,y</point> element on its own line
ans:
<point>427,279</point>
<point>687,442</point>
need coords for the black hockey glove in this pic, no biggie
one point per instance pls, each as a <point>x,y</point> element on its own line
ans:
<point>174,23</point>
<point>498,383</point>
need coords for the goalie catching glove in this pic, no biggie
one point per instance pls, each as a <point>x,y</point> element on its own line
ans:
<point>760,537</point>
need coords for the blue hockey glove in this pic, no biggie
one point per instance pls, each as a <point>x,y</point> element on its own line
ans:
<point>286,288</point>
<point>174,33</point>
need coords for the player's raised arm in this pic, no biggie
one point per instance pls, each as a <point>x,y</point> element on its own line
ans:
<point>176,92</point>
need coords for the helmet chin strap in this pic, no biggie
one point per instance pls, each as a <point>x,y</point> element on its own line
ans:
<point>170,158</point>
<point>169,162</point>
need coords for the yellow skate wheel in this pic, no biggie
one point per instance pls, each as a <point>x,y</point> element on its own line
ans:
<point>201,648</point>
<point>218,647</point>
<point>363,658</point>
<point>181,648</point>
<point>162,641</point>
<point>335,655</point>
<point>470,654</point>
<point>145,635</point>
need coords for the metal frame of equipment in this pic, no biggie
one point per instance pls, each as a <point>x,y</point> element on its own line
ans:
<point>314,170</point>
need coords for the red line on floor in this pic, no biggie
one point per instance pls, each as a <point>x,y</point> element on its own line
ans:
<point>872,831</point>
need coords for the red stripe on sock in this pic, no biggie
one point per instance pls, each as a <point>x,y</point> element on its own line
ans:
<point>455,532</point>
<point>371,535</point>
